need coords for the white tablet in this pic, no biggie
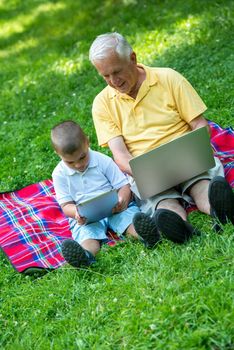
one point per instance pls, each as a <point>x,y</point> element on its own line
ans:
<point>99,207</point>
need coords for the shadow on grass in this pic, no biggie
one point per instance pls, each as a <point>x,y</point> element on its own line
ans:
<point>57,25</point>
<point>43,19</point>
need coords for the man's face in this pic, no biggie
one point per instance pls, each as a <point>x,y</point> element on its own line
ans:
<point>119,73</point>
<point>78,160</point>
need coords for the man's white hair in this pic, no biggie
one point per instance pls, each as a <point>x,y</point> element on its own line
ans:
<point>105,43</point>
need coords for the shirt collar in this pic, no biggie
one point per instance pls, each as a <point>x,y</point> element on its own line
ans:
<point>92,163</point>
<point>150,80</point>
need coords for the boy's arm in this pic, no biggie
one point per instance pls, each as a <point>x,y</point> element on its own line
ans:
<point>64,198</point>
<point>71,211</point>
<point>125,196</point>
<point>118,180</point>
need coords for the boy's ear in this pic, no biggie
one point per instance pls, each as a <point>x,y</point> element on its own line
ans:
<point>57,154</point>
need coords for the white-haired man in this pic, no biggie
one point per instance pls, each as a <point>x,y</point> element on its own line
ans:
<point>141,108</point>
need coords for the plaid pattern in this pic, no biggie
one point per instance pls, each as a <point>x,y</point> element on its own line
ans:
<point>32,225</point>
<point>223,144</point>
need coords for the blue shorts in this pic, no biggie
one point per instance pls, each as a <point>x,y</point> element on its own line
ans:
<point>97,230</point>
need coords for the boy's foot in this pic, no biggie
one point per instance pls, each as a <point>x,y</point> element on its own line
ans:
<point>221,200</point>
<point>173,227</point>
<point>75,255</point>
<point>146,229</point>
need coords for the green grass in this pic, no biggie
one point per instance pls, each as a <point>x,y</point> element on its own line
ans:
<point>175,297</point>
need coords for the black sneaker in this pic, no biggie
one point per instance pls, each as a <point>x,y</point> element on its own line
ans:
<point>173,227</point>
<point>221,200</point>
<point>146,229</point>
<point>75,255</point>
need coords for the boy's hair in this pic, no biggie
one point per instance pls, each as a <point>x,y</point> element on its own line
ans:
<point>104,43</point>
<point>67,137</point>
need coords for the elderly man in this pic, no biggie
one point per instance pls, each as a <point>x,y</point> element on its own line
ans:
<point>141,108</point>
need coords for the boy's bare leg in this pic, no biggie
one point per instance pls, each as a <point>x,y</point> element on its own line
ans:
<point>92,245</point>
<point>130,231</point>
<point>80,254</point>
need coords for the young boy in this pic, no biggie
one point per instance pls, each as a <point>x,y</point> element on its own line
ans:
<point>83,174</point>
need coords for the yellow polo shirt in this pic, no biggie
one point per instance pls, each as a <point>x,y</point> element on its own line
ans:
<point>165,104</point>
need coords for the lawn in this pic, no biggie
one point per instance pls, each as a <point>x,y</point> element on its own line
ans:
<point>173,297</point>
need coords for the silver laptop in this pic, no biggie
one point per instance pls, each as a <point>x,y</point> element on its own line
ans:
<point>99,207</point>
<point>172,163</point>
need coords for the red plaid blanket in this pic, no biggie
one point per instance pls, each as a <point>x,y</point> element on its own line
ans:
<point>32,225</point>
<point>223,144</point>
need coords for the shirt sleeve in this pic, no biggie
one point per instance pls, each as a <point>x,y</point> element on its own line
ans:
<point>106,128</point>
<point>114,175</point>
<point>188,102</point>
<point>61,188</point>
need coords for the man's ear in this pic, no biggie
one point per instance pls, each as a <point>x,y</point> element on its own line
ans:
<point>133,58</point>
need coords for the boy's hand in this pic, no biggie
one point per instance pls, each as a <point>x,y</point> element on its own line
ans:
<point>71,211</point>
<point>120,206</point>
<point>80,219</point>
<point>125,196</point>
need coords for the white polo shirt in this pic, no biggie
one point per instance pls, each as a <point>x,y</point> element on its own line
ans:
<point>101,175</point>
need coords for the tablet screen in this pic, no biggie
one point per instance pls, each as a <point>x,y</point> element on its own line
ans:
<point>99,207</point>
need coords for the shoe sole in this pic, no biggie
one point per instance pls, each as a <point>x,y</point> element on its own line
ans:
<point>172,226</point>
<point>146,229</point>
<point>221,200</point>
<point>74,254</point>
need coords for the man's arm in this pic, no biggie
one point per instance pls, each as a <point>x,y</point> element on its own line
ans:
<point>120,153</point>
<point>199,122</point>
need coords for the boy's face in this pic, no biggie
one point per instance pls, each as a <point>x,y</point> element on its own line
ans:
<point>78,160</point>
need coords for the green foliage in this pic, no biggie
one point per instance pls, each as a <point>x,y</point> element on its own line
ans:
<point>46,76</point>
<point>174,297</point>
